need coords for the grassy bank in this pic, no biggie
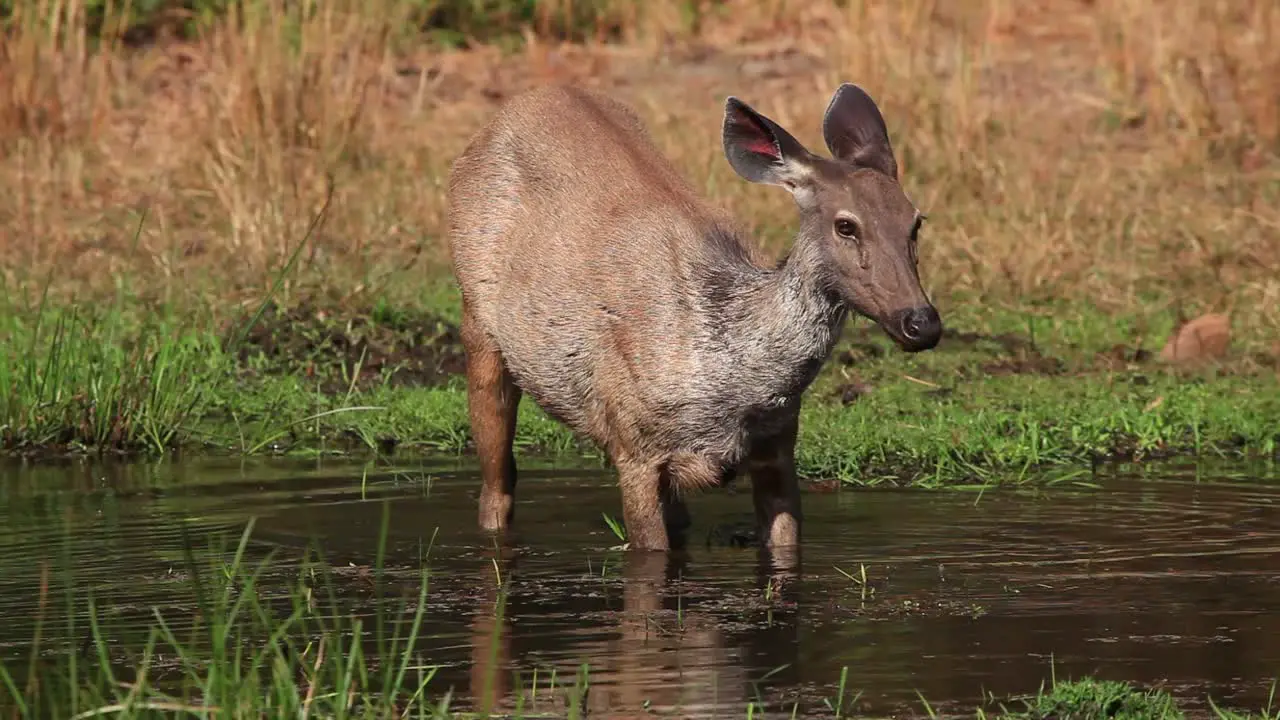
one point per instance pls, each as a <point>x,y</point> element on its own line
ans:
<point>992,403</point>
<point>242,638</point>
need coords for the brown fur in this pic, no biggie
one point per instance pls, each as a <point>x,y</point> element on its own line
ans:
<point>595,280</point>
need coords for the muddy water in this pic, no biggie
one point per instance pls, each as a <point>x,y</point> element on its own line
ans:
<point>1171,579</point>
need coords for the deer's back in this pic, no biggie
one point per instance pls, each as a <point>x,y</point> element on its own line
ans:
<point>554,179</point>
<point>576,246</point>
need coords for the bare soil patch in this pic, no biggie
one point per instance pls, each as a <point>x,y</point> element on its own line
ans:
<point>362,349</point>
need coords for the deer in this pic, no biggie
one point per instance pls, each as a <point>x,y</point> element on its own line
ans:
<point>595,280</point>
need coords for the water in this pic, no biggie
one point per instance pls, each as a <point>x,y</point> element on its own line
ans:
<point>1169,579</point>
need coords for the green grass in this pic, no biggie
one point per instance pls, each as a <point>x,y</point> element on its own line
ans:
<point>81,379</point>
<point>1010,426</point>
<point>267,638</point>
<point>993,405</point>
<point>985,429</point>
<point>1093,699</point>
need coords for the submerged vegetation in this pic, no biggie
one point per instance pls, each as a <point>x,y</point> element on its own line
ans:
<point>244,633</point>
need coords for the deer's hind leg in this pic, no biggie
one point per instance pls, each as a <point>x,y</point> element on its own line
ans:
<point>492,400</point>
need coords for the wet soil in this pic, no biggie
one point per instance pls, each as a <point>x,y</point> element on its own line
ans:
<point>377,346</point>
<point>399,347</point>
<point>1163,580</point>
<point>983,355</point>
<point>394,347</point>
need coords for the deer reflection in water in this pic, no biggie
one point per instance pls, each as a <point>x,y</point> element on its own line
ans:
<point>661,653</point>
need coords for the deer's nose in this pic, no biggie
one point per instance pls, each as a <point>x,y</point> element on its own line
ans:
<point>921,328</point>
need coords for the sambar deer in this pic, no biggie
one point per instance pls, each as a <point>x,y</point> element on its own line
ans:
<point>596,280</point>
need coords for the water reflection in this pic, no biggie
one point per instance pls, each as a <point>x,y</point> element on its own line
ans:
<point>1167,580</point>
<point>653,656</point>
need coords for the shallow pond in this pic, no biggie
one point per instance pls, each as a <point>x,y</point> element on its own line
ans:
<point>1169,578</point>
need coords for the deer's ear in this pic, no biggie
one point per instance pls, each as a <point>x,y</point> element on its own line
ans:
<point>855,131</point>
<point>760,150</point>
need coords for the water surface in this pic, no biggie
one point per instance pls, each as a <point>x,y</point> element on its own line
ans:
<point>1168,578</point>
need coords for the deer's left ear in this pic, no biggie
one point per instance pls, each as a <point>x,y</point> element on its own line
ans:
<point>855,131</point>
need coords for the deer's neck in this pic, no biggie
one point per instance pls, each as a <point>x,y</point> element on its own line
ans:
<point>781,325</point>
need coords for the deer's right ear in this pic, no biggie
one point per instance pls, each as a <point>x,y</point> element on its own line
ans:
<point>760,150</point>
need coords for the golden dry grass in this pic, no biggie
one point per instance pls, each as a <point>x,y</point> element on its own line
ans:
<point>1121,153</point>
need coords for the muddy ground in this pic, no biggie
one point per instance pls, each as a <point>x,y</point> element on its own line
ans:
<point>379,346</point>
<point>398,347</point>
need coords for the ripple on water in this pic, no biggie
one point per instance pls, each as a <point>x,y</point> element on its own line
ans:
<point>1155,580</point>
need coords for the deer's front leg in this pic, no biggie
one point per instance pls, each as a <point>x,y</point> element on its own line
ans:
<point>643,507</point>
<point>774,488</point>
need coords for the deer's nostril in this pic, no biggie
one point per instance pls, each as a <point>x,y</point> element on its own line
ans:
<point>911,328</point>
<point>915,329</point>
<point>922,325</point>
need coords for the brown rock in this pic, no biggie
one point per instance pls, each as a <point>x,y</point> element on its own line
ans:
<point>1204,338</point>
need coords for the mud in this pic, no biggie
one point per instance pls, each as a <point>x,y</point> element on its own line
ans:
<point>998,354</point>
<point>415,348</point>
<point>1162,579</point>
<point>377,345</point>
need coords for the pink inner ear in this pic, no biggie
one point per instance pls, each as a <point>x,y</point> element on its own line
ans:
<point>762,146</point>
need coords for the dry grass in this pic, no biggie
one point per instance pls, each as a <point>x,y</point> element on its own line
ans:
<point>1121,153</point>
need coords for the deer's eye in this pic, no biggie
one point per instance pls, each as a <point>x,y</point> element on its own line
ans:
<point>915,229</point>
<point>915,237</point>
<point>847,228</point>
